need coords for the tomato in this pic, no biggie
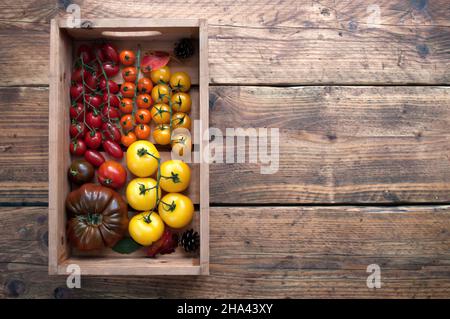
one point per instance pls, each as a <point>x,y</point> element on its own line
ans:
<point>141,193</point>
<point>161,113</point>
<point>80,172</point>
<point>128,89</point>
<point>143,116</point>
<point>113,86</point>
<point>94,157</point>
<point>181,142</point>
<point>112,148</point>
<point>114,101</point>
<point>161,93</point>
<point>161,134</point>
<point>126,122</point>
<point>128,139</point>
<point>76,111</point>
<point>127,57</point>
<point>109,53</point>
<point>176,210</point>
<point>77,147</point>
<point>161,75</point>
<point>181,102</point>
<point>110,69</point>
<point>180,81</point>
<point>77,129</point>
<point>144,101</point>
<point>90,82</point>
<point>129,74</point>
<point>76,91</point>
<point>112,174</point>
<point>110,113</point>
<point>93,139</point>
<point>77,77</point>
<point>142,158</point>
<point>181,120</point>
<point>94,120</point>
<point>142,131</point>
<point>85,53</point>
<point>126,105</point>
<point>111,132</point>
<point>145,85</point>
<point>175,176</point>
<point>146,228</point>
<point>93,101</point>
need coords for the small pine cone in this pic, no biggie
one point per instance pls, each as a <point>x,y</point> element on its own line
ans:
<point>183,49</point>
<point>190,240</point>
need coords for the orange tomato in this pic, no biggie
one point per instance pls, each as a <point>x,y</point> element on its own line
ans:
<point>126,105</point>
<point>145,85</point>
<point>161,113</point>
<point>127,122</point>
<point>181,102</point>
<point>161,134</point>
<point>129,74</point>
<point>142,131</point>
<point>127,89</point>
<point>181,120</point>
<point>144,101</point>
<point>127,57</point>
<point>143,116</point>
<point>128,139</point>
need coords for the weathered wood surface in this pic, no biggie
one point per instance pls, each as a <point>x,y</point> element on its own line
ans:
<point>292,42</point>
<point>337,144</point>
<point>263,252</point>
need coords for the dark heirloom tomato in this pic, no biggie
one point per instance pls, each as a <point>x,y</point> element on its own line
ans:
<point>97,217</point>
<point>80,172</point>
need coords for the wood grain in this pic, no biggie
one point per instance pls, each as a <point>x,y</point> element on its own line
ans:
<point>277,252</point>
<point>337,144</point>
<point>288,43</point>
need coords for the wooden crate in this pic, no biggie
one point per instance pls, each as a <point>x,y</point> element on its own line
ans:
<point>150,34</point>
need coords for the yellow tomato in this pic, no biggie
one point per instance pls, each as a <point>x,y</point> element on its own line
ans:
<point>161,134</point>
<point>176,210</point>
<point>175,176</point>
<point>181,120</point>
<point>161,113</point>
<point>161,93</point>
<point>161,75</point>
<point>146,228</point>
<point>142,158</point>
<point>181,102</point>
<point>180,81</point>
<point>181,142</point>
<point>141,193</point>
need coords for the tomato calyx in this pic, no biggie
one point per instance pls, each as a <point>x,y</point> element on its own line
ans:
<point>178,86</point>
<point>169,207</point>
<point>73,172</point>
<point>143,151</point>
<point>173,176</point>
<point>92,219</point>
<point>143,189</point>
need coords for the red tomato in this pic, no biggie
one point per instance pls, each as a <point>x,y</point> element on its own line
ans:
<point>90,82</point>
<point>112,174</point>
<point>110,113</point>
<point>94,120</point>
<point>113,86</point>
<point>110,69</point>
<point>93,101</point>
<point>114,101</point>
<point>77,129</point>
<point>76,91</point>
<point>93,139</point>
<point>76,75</point>
<point>111,132</point>
<point>77,147</point>
<point>94,157</point>
<point>109,53</point>
<point>113,149</point>
<point>85,52</point>
<point>76,111</point>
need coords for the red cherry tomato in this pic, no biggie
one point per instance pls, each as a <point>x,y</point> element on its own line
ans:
<point>93,139</point>
<point>77,77</point>
<point>110,113</point>
<point>94,157</point>
<point>90,82</point>
<point>109,53</point>
<point>112,174</point>
<point>76,91</point>
<point>85,52</point>
<point>77,129</point>
<point>110,69</point>
<point>114,100</point>
<point>93,101</point>
<point>94,120</point>
<point>77,147</point>
<point>76,111</point>
<point>111,132</point>
<point>113,86</point>
<point>112,148</point>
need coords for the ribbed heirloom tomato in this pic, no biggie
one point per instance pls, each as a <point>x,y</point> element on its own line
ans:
<point>146,228</point>
<point>142,158</point>
<point>176,210</point>
<point>141,193</point>
<point>175,176</point>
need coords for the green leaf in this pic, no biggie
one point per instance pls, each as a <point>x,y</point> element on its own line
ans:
<point>126,246</point>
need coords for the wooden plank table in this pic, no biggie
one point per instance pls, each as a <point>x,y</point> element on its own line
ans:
<point>363,107</point>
